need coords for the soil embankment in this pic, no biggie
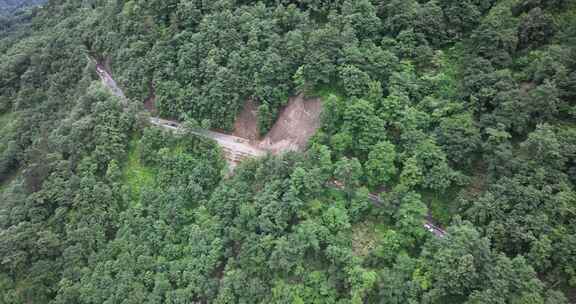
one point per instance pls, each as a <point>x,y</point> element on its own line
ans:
<point>297,122</point>
<point>150,101</point>
<point>246,124</point>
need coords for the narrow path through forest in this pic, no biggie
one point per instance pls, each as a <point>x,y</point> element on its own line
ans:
<point>235,148</point>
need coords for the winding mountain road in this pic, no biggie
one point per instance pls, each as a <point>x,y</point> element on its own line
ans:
<point>235,148</point>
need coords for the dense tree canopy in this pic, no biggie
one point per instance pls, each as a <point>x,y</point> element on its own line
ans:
<point>451,113</point>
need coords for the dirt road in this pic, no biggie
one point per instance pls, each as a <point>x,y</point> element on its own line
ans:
<point>235,148</point>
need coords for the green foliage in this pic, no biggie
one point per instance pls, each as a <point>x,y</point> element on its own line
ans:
<point>460,138</point>
<point>265,118</point>
<point>136,175</point>
<point>409,217</point>
<point>356,83</point>
<point>10,6</point>
<point>441,204</point>
<point>535,29</point>
<point>102,208</point>
<point>380,167</point>
<point>349,172</point>
<point>464,262</point>
<point>363,125</point>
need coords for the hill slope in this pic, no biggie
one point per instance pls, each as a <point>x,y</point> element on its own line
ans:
<point>10,6</point>
<point>460,111</point>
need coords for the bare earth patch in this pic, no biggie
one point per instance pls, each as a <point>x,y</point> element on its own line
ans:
<point>150,102</point>
<point>246,125</point>
<point>297,123</point>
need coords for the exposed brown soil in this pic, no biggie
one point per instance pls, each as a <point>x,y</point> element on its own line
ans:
<point>246,125</point>
<point>150,102</point>
<point>297,123</point>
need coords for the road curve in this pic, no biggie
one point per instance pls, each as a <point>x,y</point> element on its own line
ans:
<point>235,148</point>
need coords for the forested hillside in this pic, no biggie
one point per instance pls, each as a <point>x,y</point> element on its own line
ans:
<point>10,6</point>
<point>460,113</point>
<point>16,13</point>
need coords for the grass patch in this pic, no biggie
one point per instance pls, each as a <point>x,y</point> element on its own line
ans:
<point>335,194</point>
<point>366,236</point>
<point>364,239</point>
<point>135,174</point>
<point>315,207</point>
<point>326,91</point>
<point>450,72</point>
